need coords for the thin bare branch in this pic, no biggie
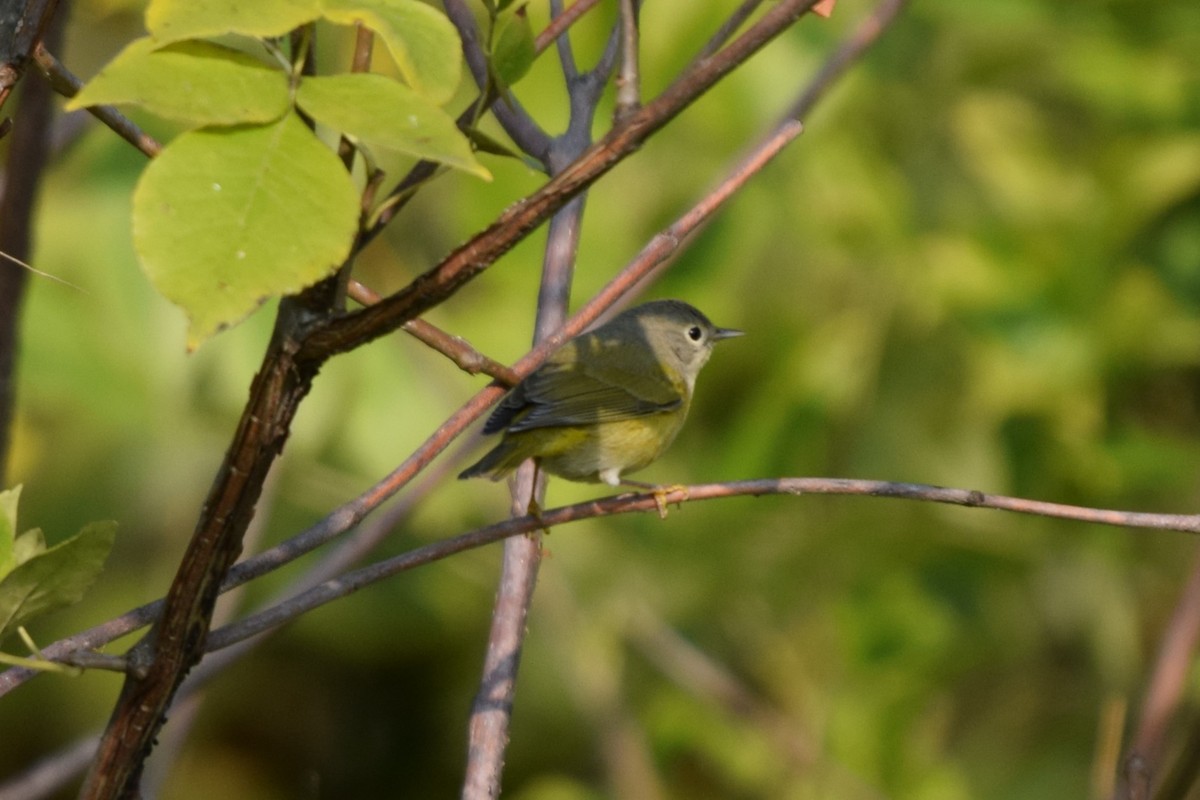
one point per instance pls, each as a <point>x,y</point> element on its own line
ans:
<point>561,22</point>
<point>364,45</point>
<point>847,53</point>
<point>648,502</point>
<point>728,28</point>
<point>22,26</point>
<point>629,91</point>
<point>455,348</point>
<point>566,53</point>
<point>63,81</point>
<point>1166,687</point>
<point>28,154</point>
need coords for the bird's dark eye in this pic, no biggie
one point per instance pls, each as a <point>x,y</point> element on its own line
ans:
<point>695,334</point>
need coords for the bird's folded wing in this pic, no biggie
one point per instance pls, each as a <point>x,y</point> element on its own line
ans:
<point>571,396</point>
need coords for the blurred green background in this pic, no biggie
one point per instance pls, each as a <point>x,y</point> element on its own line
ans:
<point>979,267</point>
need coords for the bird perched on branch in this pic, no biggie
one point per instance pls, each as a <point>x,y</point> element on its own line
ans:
<point>607,402</point>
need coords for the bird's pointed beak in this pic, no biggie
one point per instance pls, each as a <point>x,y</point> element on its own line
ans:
<point>726,333</point>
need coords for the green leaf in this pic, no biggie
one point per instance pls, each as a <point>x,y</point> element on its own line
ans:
<point>8,528</point>
<point>423,42</point>
<point>513,48</point>
<point>54,578</point>
<point>174,20</point>
<point>225,218</point>
<point>28,545</point>
<point>382,111</point>
<point>199,83</point>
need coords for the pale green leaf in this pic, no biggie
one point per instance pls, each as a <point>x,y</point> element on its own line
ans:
<point>28,545</point>
<point>513,49</point>
<point>226,218</point>
<point>9,500</point>
<point>422,41</point>
<point>387,113</point>
<point>199,83</point>
<point>55,578</point>
<point>174,20</point>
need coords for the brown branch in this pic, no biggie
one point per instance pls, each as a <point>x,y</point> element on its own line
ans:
<point>364,45</point>
<point>63,81</point>
<point>455,348</point>
<point>561,23</point>
<point>176,641</point>
<point>1165,691</point>
<point>22,25</point>
<point>728,28</point>
<point>629,91</point>
<point>351,582</point>
<point>29,151</point>
<point>849,51</point>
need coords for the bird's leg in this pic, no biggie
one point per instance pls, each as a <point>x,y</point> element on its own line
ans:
<point>533,508</point>
<point>660,493</point>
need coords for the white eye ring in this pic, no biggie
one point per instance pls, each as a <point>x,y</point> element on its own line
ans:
<point>695,334</point>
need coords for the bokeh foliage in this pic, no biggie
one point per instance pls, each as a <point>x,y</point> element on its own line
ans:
<point>980,267</point>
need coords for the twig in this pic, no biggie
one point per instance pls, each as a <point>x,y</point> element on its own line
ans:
<point>364,44</point>
<point>455,348</point>
<point>29,151</point>
<point>351,582</point>
<point>629,93</point>
<point>67,84</point>
<point>561,22</point>
<point>728,28</point>
<point>566,53</point>
<point>847,53</point>
<point>22,25</point>
<point>697,672</point>
<point>1167,683</point>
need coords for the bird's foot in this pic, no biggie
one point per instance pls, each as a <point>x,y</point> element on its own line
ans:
<point>660,494</point>
<point>534,509</point>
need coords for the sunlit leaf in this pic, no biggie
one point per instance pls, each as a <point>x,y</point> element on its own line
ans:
<point>199,83</point>
<point>226,218</point>
<point>382,111</point>
<point>423,42</point>
<point>173,20</point>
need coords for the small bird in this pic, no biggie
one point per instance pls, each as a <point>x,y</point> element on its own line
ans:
<point>607,402</point>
